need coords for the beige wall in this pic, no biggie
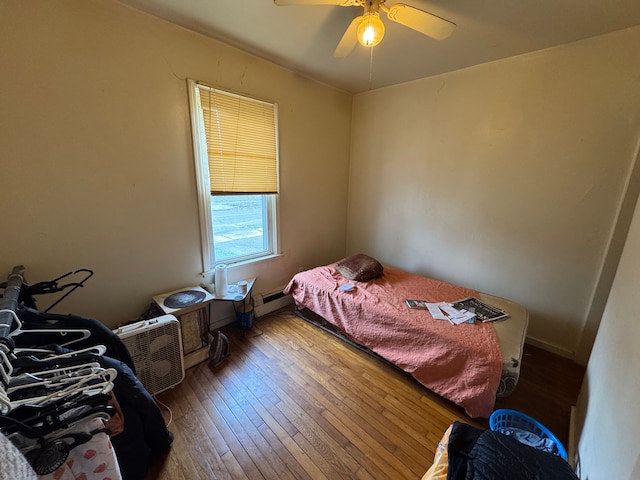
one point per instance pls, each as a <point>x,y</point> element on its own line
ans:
<point>506,177</point>
<point>608,413</point>
<point>97,166</point>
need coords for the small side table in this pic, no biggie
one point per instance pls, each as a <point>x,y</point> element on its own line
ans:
<point>194,324</point>
<point>242,303</point>
<point>194,318</point>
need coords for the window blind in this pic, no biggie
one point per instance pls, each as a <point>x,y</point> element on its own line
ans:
<point>241,143</point>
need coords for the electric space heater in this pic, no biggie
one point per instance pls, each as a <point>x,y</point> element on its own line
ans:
<point>155,346</point>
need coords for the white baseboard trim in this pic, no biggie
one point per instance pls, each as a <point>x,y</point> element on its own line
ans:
<point>563,352</point>
<point>571,447</point>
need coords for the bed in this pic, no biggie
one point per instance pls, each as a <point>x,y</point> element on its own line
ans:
<point>469,364</point>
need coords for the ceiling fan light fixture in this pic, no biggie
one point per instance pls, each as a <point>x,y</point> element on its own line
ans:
<point>370,30</point>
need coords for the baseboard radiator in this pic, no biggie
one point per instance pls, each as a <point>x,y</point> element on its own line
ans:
<point>267,302</point>
<point>264,303</point>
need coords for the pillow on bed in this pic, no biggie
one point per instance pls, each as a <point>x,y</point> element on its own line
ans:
<point>359,267</point>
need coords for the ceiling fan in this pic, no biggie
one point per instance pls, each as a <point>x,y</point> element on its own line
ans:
<point>368,29</point>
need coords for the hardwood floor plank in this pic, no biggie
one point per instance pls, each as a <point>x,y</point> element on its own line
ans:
<point>246,437</point>
<point>376,453</point>
<point>249,407</point>
<point>209,424</point>
<point>316,430</point>
<point>323,467</point>
<point>225,422</point>
<point>294,402</point>
<point>201,450</point>
<point>183,458</point>
<point>292,419</point>
<point>295,458</point>
<point>316,441</point>
<point>352,410</point>
<point>233,467</point>
<point>265,416</point>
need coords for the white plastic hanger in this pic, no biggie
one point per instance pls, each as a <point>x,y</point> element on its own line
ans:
<point>52,355</point>
<point>91,384</point>
<point>53,377</point>
<point>64,332</point>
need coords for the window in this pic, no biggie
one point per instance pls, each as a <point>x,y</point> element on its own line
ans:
<point>236,156</point>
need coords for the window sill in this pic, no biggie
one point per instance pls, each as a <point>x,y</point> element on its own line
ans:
<point>212,271</point>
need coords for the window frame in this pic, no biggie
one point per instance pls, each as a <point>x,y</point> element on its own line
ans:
<point>203,187</point>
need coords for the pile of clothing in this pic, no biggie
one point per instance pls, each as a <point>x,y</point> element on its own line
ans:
<point>144,435</point>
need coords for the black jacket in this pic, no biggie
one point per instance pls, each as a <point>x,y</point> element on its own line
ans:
<point>476,454</point>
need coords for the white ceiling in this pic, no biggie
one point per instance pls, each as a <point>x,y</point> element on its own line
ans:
<point>303,38</point>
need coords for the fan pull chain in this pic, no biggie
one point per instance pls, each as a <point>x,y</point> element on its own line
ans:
<point>371,69</point>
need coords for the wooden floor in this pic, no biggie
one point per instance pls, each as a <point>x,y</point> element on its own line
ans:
<point>292,401</point>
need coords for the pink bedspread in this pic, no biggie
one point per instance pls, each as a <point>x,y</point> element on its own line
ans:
<point>461,363</point>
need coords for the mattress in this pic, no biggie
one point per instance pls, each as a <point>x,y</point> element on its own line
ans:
<point>467,364</point>
<point>511,334</point>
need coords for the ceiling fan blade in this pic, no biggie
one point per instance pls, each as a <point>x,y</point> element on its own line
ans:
<point>342,3</point>
<point>349,39</point>
<point>421,21</point>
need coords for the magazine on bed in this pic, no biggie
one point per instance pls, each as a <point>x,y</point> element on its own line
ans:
<point>443,311</point>
<point>484,312</point>
<point>419,304</point>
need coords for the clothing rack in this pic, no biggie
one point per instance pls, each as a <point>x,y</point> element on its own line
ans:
<point>54,401</point>
<point>9,301</point>
<point>62,379</point>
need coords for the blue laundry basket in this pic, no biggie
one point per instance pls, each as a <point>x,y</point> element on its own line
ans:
<point>504,419</point>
